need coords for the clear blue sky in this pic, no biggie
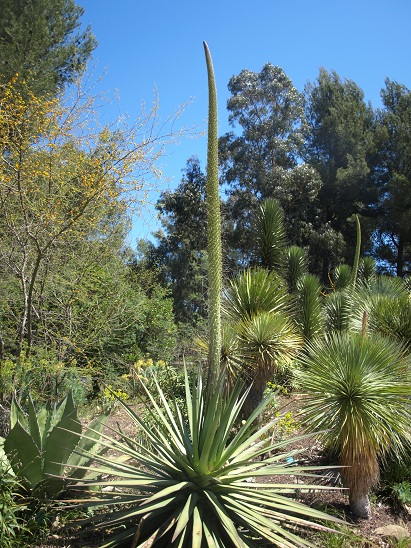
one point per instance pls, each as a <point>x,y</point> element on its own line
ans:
<point>158,43</point>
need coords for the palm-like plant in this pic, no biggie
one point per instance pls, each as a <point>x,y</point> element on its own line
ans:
<point>309,300</point>
<point>295,265</point>
<point>257,307</point>
<point>269,234</point>
<point>387,304</point>
<point>265,342</point>
<point>253,291</point>
<point>193,489</point>
<point>357,393</point>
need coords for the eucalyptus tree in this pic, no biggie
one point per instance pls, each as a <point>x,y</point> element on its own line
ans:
<point>262,160</point>
<point>180,251</point>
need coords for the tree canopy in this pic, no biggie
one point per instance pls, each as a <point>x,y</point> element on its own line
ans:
<point>42,42</point>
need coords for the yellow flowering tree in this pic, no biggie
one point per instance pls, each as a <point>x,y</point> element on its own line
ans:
<point>64,181</point>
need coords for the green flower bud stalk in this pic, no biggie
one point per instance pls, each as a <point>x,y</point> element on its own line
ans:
<point>213,231</point>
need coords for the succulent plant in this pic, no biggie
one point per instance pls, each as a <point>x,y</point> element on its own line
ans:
<point>43,447</point>
<point>203,482</point>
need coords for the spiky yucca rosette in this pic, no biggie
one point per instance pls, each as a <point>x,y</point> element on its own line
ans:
<point>193,488</point>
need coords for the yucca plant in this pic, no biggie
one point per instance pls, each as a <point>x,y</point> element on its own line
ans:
<point>311,318</point>
<point>367,270</point>
<point>343,276</point>
<point>194,489</point>
<point>338,309</point>
<point>253,291</point>
<point>270,235</point>
<point>257,307</point>
<point>357,393</point>
<point>41,446</point>
<point>264,342</point>
<point>387,303</point>
<point>295,265</point>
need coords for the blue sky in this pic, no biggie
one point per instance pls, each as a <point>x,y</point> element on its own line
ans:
<point>158,44</point>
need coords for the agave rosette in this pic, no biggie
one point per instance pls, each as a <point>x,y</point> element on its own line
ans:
<point>193,487</point>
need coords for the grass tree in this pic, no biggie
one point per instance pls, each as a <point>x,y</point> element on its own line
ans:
<point>357,394</point>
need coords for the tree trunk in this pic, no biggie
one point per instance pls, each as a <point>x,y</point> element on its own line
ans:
<point>360,505</point>
<point>400,257</point>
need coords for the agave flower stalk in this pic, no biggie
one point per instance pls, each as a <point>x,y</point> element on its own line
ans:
<point>213,229</point>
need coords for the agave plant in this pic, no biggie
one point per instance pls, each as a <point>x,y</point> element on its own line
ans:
<point>357,393</point>
<point>194,489</point>
<point>42,446</point>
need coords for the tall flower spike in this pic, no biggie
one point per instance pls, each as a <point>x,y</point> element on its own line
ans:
<point>213,230</point>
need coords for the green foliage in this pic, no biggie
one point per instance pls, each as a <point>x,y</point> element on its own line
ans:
<point>180,253</point>
<point>343,276</point>
<point>295,265</point>
<point>338,310</point>
<point>193,486</point>
<point>357,395</point>
<point>38,40</point>
<point>40,446</point>
<point>386,303</point>
<point>402,492</point>
<point>309,302</point>
<point>11,509</point>
<point>260,331</point>
<point>338,146</point>
<point>367,270</point>
<point>394,236</point>
<point>44,377</point>
<point>255,290</point>
<point>269,235</point>
<point>261,161</point>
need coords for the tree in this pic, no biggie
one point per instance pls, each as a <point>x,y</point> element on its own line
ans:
<point>339,143</point>
<point>180,254</point>
<point>62,188</point>
<point>262,162</point>
<point>357,394</point>
<point>38,41</point>
<point>394,227</point>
